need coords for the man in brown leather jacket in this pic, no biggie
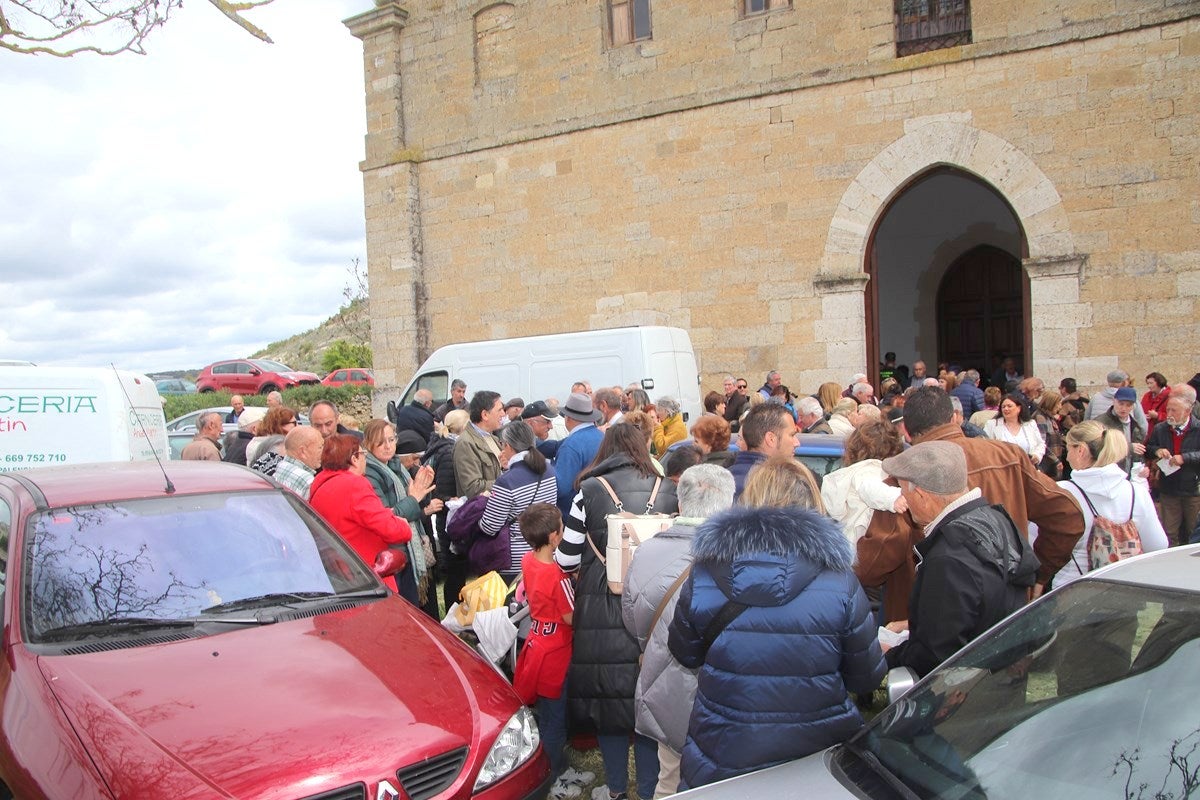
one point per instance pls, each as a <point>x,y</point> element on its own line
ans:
<point>1004,474</point>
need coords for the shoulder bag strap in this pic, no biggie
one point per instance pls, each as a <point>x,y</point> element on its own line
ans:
<point>1132,501</point>
<point>728,613</point>
<point>1088,500</point>
<point>608,487</point>
<point>662,606</point>
<point>513,517</point>
<point>653,494</point>
<point>596,550</point>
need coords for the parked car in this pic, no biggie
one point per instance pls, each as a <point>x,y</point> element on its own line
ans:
<point>197,631</point>
<point>820,452</point>
<point>1091,691</point>
<point>251,376</point>
<point>182,430</point>
<point>175,386</point>
<point>349,377</point>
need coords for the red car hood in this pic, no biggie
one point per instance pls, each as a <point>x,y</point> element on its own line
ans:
<point>284,710</point>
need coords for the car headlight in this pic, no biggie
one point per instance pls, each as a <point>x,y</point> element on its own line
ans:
<point>515,745</point>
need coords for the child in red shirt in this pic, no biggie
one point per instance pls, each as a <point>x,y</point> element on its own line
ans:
<point>542,666</point>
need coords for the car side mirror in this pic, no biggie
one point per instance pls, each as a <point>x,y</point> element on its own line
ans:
<point>899,681</point>
<point>389,562</point>
<point>255,371</point>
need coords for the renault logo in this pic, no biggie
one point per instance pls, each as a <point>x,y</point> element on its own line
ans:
<point>387,792</point>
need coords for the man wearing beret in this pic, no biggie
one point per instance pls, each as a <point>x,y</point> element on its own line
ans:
<point>975,566</point>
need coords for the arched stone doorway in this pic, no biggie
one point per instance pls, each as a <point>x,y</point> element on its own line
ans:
<point>946,282</point>
<point>1049,258</point>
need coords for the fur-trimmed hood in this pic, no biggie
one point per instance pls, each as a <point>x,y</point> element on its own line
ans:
<point>766,556</point>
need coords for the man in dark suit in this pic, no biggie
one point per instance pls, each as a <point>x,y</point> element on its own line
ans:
<point>417,416</point>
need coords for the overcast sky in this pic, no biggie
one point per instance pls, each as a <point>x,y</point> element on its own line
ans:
<point>164,211</point>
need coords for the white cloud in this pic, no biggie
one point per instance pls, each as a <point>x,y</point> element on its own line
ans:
<point>197,203</point>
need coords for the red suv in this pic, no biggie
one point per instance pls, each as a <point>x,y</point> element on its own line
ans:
<point>195,631</point>
<point>251,376</point>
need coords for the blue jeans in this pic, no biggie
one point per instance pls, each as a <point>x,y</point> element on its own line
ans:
<point>552,723</point>
<point>614,750</point>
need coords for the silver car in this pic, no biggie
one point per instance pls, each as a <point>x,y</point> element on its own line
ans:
<point>1093,691</point>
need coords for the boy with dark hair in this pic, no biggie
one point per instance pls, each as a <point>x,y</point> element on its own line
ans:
<point>541,671</point>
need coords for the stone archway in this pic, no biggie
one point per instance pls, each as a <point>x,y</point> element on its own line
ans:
<point>1053,265</point>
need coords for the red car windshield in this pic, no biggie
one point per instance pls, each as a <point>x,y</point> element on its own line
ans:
<point>171,558</point>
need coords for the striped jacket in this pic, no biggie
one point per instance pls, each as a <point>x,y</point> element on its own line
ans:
<point>514,491</point>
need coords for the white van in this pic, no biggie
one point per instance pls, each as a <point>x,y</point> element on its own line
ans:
<point>658,359</point>
<point>78,415</point>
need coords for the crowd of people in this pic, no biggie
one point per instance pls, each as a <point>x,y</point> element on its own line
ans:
<point>745,630</point>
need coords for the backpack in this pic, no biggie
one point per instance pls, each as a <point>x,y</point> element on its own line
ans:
<point>1111,541</point>
<point>463,525</point>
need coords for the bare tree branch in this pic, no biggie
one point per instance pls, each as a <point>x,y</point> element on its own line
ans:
<point>65,28</point>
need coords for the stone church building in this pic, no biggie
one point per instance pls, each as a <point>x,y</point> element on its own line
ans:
<point>802,186</point>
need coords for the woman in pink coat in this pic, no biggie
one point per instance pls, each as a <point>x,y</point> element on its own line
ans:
<point>347,502</point>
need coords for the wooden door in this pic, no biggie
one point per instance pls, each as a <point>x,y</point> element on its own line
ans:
<point>981,302</point>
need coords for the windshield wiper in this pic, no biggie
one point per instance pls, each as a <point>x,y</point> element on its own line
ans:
<point>98,627</point>
<point>287,599</point>
<point>272,599</point>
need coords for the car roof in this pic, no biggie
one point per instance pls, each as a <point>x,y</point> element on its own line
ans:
<point>81,484</point>
<point>1173,568</point>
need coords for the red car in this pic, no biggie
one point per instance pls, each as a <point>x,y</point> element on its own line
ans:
<point>196,631</point>
<point>349,377</point>
<point>251,376</point>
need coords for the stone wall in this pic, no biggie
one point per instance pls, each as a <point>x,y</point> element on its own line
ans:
<point>599,193</point>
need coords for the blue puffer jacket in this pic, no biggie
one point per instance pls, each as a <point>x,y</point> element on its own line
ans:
<point>775,685</point>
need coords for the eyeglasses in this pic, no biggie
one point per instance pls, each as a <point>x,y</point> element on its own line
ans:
<point>742,386</point>
<point>359,454</point>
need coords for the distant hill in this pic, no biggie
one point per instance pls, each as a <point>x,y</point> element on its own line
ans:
<point>304,350</point>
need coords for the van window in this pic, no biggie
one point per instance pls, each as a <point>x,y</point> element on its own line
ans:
<point>438,383</point>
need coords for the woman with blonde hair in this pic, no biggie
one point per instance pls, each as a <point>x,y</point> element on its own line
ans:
<point>829,394</point>
<point>786,483</point>
<point>1103,645</point>
<point>1101,487</point>
<point>841,420</point>
<point>773,681</point>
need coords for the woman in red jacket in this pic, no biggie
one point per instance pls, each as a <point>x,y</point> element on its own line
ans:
<point>1154,401</point>
<point>346,500</point>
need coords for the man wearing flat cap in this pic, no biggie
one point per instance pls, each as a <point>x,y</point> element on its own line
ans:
<point>975,566</point>
<point>513,409</point>
<point>1005,476</point>
<point>579,448</point>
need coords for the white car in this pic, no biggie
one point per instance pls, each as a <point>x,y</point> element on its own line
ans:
<point>1092,691</point>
